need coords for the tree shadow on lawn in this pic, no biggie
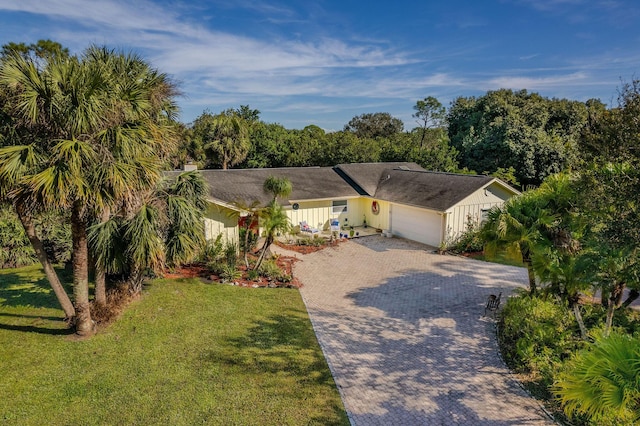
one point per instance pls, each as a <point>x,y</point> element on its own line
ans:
<point>29,288</point>
<point>282,344</point>
<point>41,330</point>
<point>26,291</point>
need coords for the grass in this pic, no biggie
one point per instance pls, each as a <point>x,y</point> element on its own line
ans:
<point>186,353</point>
<point>501,257</point>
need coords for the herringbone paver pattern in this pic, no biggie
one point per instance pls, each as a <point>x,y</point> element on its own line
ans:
<point>403,332</point>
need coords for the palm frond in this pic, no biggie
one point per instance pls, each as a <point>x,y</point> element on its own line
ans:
<point>145,247</point>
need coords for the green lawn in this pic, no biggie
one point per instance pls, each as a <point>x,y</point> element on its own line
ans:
<point>186,353</point>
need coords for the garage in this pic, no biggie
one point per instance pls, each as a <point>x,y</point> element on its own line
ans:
<point>416,224</point>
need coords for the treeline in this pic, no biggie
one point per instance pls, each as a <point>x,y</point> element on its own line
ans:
<point>519,136</point>
<point>237,139</point>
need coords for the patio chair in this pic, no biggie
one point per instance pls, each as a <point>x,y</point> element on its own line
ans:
<point>304,227</point>
<point>493,303</point>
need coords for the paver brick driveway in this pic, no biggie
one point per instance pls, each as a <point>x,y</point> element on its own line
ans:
<point>403,332</point>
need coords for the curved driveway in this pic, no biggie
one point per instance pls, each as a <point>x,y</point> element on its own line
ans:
<point>403,332</point>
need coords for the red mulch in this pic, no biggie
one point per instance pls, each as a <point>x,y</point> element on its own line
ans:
<point>187,271</point>
<point>284,262</point>
<point>307,248</point>
<point>200,271</point>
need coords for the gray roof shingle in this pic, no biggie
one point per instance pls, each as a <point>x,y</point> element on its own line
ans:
<point>366,176</point>
<point>244,186</point>
<point>404,183</point>
<point>432,190</point>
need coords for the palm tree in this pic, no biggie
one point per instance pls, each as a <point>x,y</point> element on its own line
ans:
<point>273,220</point>
<point>602,383</point>
<point>166,228</point>
<point>225,136</point>
<point>103,120</point>
<point>559,258</point>
<point>518,226</point>
<point>277,186</point>
<point>251,214</point>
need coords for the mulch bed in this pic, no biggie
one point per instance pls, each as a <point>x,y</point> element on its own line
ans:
<point>284,262</point>
<point>200,271</point>
<point>306,249</point>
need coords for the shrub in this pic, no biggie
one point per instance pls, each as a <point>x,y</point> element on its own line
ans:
<point>253,275</point>
<point>536,335</point>
<point>212,250</point>
<point>229,273</point>
<point>315,241</point>
<point>15,248</point>
<point>231,254</point>
<point>601,382</point>
<point>270,269</point>
<point>469,240</point>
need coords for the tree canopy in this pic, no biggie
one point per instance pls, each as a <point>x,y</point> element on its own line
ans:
<point>535,135</point>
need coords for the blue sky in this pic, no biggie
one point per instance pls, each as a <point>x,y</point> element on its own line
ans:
<point>324,62</point>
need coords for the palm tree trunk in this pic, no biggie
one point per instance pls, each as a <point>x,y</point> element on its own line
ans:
<point>52,277</point>
<point>100,278</point>
<point>136,278</point>
<point>526,259</point>
<point>245,249</point>
<point>575,306</point>
<point>532,277</point>
<point>265,247</point>
<point>616,294</point>
<point>84,323</point>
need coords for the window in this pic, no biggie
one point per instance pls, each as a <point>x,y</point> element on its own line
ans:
<point>339,206</point>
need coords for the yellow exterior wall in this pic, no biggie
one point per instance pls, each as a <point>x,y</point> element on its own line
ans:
<point>471,209</point>
<point>380,220</point>
<point>315,213</point>
<point>218,220</point>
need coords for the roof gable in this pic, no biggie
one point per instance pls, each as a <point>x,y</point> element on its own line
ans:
<point>432,190</point>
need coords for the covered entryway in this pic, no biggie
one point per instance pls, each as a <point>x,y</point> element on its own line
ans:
<point>416,224</point>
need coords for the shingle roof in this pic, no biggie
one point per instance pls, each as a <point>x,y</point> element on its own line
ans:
<point>245,185</point>
<point>404,183</point>
<point>366,176</point>
<point>432,190</point>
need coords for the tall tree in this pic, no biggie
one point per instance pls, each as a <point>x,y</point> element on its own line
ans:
<point>224,137</point>
<point>607,198</point>
<point>247,114</point>
<point>379,124</point>
<point>536,136</point>
<point>614,135</point>
<point>429,114</point>
<point>273,218</point>
<point>166,228</point>
<point>103,125</point>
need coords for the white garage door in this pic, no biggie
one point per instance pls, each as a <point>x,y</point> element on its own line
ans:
<point>416,224</point>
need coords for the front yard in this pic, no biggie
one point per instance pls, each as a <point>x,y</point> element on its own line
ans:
<point>186,353</point>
